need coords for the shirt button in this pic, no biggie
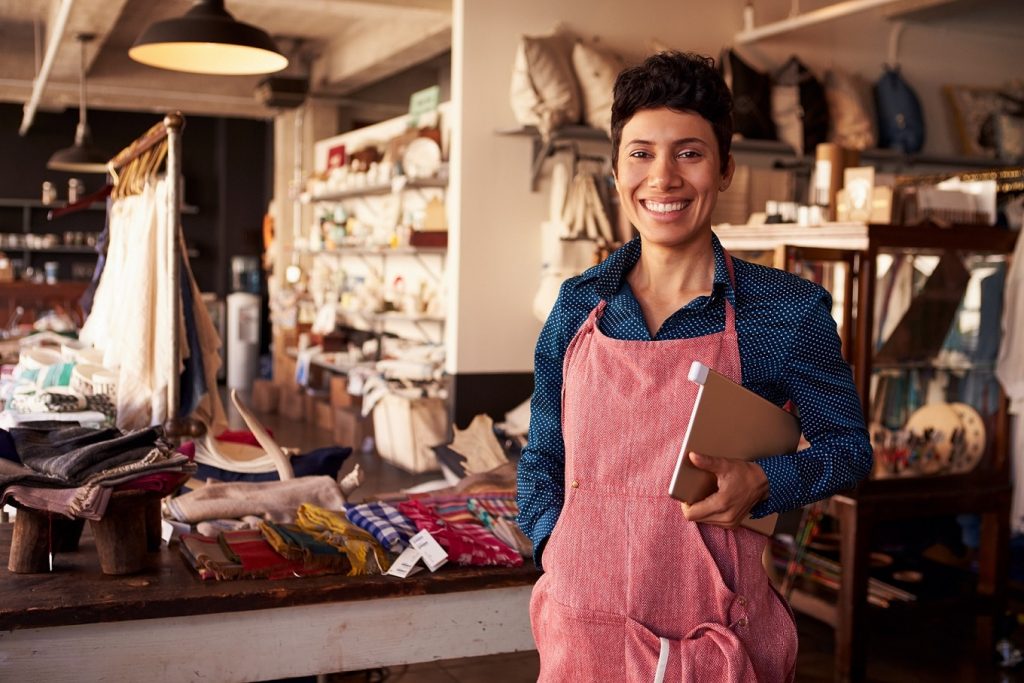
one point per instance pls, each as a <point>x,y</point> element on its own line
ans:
<point>575,484</point>
<point>741,601</point>
<point>743,621</point>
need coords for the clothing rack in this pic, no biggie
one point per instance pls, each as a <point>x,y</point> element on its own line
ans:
<point>134,164</point>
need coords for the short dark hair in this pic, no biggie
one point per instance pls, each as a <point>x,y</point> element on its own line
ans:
<point>681,81</point>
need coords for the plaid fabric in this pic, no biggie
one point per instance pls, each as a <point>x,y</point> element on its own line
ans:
<point>467,544</point>
<point>495,507</point>
<point>387,524</point>
<point>500,517</point>
<point>455,511</point>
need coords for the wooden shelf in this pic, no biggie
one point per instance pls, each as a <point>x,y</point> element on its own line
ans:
<point>779,154</point>
<point>373,251</point>
<point>379,189</point>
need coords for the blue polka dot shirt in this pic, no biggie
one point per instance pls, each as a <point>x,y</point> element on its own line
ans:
<point>789,350</point>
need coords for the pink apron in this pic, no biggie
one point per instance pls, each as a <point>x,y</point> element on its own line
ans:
<point>631,590</point>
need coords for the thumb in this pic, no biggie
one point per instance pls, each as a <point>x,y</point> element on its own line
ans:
<point>706,462</point>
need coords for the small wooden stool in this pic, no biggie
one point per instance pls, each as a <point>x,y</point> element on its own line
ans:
<point>36,535</point>
<point>121,536</point>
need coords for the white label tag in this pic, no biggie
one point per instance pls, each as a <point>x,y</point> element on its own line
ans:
<point>434,556</point>
<point>405,565</point>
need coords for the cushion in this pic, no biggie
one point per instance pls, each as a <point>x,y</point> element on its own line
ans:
<point>544,92</point>
<point>849,110</point>
<point>799,107</point>
<point>752,98</point>
<point>596,69</point>
<point>1009,134</point>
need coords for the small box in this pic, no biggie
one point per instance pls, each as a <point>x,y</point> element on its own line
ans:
<point>407,429</point>
<point>264,396</point>
<point>291,403</point>
<point>428,238</point>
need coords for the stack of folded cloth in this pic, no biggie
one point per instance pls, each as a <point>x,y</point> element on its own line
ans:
<point>321,542</point>
<point>73,470</point>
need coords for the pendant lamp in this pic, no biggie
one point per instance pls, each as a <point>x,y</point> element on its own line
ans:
<point>80,157</point>
<point>208,40</point>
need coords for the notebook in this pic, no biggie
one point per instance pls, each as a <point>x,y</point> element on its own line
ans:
<point>730,421</point>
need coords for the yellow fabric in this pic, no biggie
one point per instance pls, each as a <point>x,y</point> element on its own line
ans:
<point>365,554</point>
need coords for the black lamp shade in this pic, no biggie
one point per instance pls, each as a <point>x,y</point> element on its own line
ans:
<point>208,40</point>
<point>81,157</point>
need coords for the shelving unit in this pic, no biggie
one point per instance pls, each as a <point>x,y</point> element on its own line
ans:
<point>984,490</point>
<point>378,189</point>
<point>764,153</point>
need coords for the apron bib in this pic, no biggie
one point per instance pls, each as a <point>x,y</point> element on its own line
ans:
<point>632,591</point>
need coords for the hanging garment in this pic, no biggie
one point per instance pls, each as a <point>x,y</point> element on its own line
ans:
<point>1010,371</point>
<point>677,601</point>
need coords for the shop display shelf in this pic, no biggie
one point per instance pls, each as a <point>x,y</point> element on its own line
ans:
<point>377,189</point>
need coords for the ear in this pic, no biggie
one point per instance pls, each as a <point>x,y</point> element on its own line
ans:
<point>730,169</point>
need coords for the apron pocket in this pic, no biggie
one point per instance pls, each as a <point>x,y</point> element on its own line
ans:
<point>710,652</point>
<point>575,645</point>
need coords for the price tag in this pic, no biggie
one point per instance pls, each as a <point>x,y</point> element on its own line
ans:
<point>434,556</point>
<point>405,565</point>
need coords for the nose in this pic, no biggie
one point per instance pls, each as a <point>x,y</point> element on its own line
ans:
<point>663,173</point>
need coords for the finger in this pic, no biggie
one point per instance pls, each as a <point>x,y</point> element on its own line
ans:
<point>707,462</point>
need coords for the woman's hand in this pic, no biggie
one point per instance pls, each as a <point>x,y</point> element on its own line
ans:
<point>741,485</point>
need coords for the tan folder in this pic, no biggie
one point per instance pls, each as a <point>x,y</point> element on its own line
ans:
<point>730,421</point>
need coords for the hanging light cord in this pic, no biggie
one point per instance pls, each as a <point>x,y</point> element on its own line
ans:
<point>82,40</point>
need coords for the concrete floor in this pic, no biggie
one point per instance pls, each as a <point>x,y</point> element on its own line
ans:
<point>905,644</point>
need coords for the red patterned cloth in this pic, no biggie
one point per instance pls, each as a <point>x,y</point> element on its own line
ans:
<point>469,544</point>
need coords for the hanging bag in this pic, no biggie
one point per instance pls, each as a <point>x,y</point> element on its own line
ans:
<point>900,119</point>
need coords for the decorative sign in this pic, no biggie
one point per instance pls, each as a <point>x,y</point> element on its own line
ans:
<point>336,157</point>
<point>423,102</point>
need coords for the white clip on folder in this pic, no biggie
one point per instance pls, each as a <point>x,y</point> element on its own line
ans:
<point>730,421</point>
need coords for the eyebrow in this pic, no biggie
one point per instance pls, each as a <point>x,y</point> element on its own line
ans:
<point>680,141</point>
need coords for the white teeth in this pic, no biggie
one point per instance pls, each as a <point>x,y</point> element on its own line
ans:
<point>658,207</point>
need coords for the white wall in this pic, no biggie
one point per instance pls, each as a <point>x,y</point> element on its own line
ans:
<point>495,250</point>
<point>496,231</point>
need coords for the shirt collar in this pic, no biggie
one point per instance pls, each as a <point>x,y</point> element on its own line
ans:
<point>612,273</point>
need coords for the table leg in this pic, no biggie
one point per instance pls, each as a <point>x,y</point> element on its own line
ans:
<point>855,540</point>
<point>993,559</point>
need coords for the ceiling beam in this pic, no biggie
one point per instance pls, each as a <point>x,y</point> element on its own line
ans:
<point>53,41</point>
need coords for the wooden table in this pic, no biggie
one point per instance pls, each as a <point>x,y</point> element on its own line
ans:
<point>164,624</point>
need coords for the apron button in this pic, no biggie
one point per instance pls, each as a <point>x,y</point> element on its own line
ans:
<point>575,484</point>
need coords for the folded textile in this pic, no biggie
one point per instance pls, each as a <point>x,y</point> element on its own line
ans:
<point>365,554</point>
<point>86,502</point>
<point>210,560</point>
<point>497,506</point>
<point>468,544</point>
<point>499,516</point>
<point>294,543</point>
<point>72,453</point>
<point>160,483</point>
<point>384,522</point>
<point>239,554</point>
<point>273,500</point>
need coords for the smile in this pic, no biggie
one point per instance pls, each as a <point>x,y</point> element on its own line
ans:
<point>659,207</point>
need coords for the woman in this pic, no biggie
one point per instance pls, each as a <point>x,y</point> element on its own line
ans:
<point>634,588</point>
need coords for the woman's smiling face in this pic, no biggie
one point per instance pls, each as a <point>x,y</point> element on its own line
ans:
<point>669,175</point>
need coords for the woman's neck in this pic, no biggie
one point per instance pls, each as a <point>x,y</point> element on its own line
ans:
<point>668,272</point>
